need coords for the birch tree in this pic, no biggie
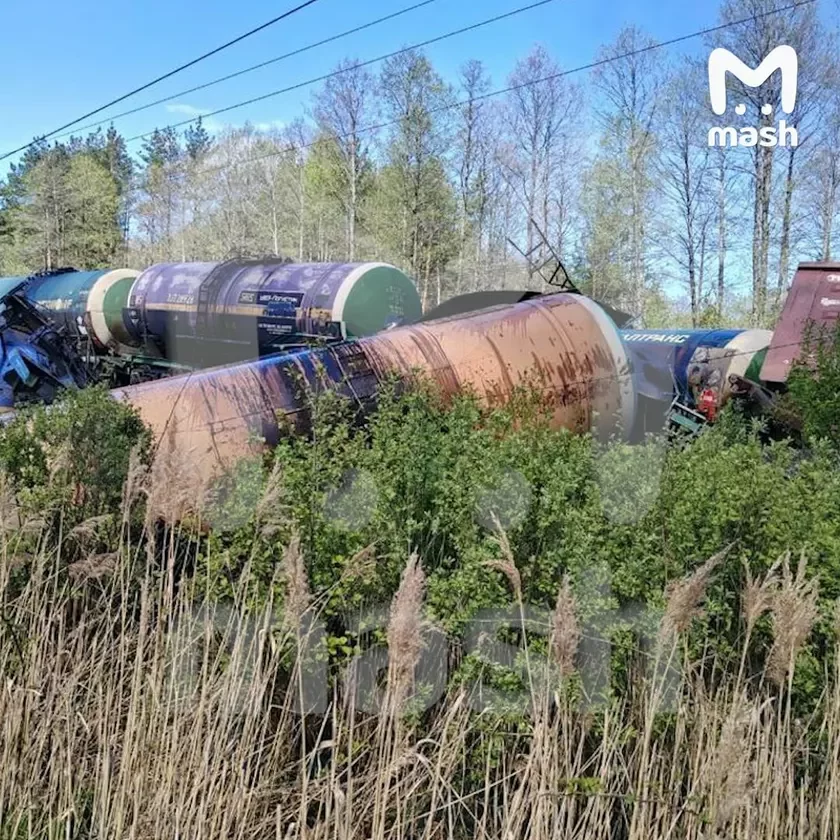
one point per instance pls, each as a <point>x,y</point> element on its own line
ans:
<point>752,41</point>
<point>684,169</point>
<point>542,112</point>
<point>825,183</point>
<point>473,164</point>
<point>630,86</point>
<point>43,215</point>
<point>343,108</point>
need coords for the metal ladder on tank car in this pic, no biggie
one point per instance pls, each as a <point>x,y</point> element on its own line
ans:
<point>683,423</point>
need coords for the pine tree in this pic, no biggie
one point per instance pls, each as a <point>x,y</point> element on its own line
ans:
<point>157,211</point>
<point>92,234</point>
<point>197,141</point>
<point>421,196</point>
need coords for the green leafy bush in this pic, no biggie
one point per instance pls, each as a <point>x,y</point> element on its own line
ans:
<point>815,388</point>
<point>438,478</point>
<point>71,459</point>
<point>441,478</point>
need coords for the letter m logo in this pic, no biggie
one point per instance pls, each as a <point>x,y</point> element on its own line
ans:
<point>722,61</point>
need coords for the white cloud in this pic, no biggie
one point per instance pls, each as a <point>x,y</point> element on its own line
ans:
<point>213,126</point>
<point>191,112</point>
<point>186,110</point>
<point>268,126</point>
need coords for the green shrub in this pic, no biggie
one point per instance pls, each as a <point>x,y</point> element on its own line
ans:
<point>422,475</point>
<point>71,459</point>
<point>815,389</point>
<point>439,478</point>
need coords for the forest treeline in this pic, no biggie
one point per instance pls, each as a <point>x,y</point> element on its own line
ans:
<point>613,167</point>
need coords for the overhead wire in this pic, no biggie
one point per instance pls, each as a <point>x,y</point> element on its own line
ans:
<point>379,126</point>
<point>293,147</point>
<point>354,66</point>
<point>167,75</point>
<point>252,67</point>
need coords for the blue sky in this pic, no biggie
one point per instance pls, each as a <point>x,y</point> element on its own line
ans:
<point>71,57</point>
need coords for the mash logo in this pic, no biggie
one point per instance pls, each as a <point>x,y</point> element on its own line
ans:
<point>722,62</point>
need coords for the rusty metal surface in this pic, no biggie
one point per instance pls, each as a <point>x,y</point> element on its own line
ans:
<point>814,296</point>
<point>564,344</point>
<point>556,343</point>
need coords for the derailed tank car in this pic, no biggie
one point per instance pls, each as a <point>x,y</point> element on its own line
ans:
<point>672,366</point>
<point>89,304</point>
<point>206,314</point>
<point>37,359</point>
<point>130,327</point>
<point>564,344</point>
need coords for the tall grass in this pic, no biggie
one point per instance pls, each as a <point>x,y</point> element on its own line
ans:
<point>132,706</point>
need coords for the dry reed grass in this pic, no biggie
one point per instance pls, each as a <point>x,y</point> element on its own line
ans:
<point>565,630</point>
<point>153,714</point>
<point>793,607</point>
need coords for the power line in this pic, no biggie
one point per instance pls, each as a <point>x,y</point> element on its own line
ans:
<point>367,63</point>
<point>253,67</point>
<point>500,91</point>
<point>168,75</point>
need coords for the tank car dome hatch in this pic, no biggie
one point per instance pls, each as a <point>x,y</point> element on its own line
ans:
<point>206,314</point>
